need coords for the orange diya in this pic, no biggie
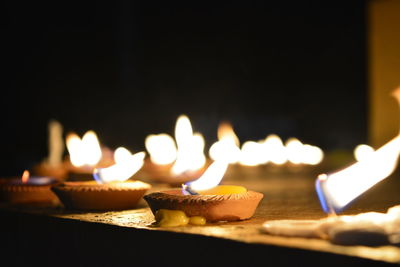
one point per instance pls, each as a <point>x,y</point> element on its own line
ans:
<point>110,190</point>
<point>28,190</point>
<point>206,199</point>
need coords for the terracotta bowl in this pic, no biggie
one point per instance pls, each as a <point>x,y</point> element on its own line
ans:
<point>88,195</point>
<point>26,193</point>
<point>162,174</point>
<point>230,207</point>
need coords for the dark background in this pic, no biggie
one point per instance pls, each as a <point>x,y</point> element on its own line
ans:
<point>127,69</point>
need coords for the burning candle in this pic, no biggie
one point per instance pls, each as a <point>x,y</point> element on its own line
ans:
<point>28,190</point>
<point>110,189</point>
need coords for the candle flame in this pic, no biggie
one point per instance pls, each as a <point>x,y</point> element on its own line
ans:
<point>162,148</point>
<point>225,131</point>
<point>190,155</point>
<point>85,151</point>
<point>227,146</point>
<point>337,190</point>
<point>25,176</point>
<point>252,154</point>
<point>210,178</point>
<point>126,165</point>
<point>361,152</point>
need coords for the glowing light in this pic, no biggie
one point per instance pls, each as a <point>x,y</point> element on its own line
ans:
<point>312,155</point>
<point>162,148</point>
<point>211,177</point>
<point>190,155</point>
<point>85,151</point>
<point>25,176</point>
<point>226,148</point>
<point>251,154</point>
<point>125,167</point>
<point>121,154</point>
<point>294,150</point>
<point>362,152</point>
<point>275,150</point>
<point>337,190</point>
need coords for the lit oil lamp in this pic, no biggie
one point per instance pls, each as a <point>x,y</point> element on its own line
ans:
<point>336,191</point>
<point>204,199</point>
<point>53,165</point>
<point>30,190</point>
<point>176,161</point>
<point>86,154</point>
<point>110,190</point>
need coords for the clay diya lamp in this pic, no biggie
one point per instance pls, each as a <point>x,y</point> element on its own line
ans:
<point>28,190</point>
<point>163,174</point>
<point>59,172</point>
<point>53,165</point>
<point>205,198</point>
<point>110,191</point>
<point>175,161</point>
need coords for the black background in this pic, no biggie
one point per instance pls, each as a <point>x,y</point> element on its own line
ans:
<point>127,69</point>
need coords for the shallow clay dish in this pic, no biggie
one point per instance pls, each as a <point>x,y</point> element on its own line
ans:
<point>31,194</point>
<point>162,174</point>
<point>231,207</point>
<point>89,195</point>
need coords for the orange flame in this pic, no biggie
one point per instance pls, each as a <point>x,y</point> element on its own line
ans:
<point>25,177</point>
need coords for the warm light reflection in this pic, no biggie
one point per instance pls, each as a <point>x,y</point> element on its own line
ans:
<point>85,151</point>
<point>25,176</point>
<point>210,178</point>
<point>227,147</point>
<point>125,167</point>
<point>162,148</point>
<point>190,155</point>
<point>361,152</point>
<point>340,188</point>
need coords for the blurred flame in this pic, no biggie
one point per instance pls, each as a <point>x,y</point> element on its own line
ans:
<point>225,131</point>
<point>121,154</point>
<point>25,176</point>
<point>190,155</point>
<point>272,149</point>
<point>227,147</point>
<point>126,165</point>
<point>161,148</point>
<point>85,151</point>
<point>275,150</point>
<point>345,185</point>
<point>361,152</point>
<point>312,155</point>
<point>251,153</point>
<point>294,150</point>
<point>211,177</point>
